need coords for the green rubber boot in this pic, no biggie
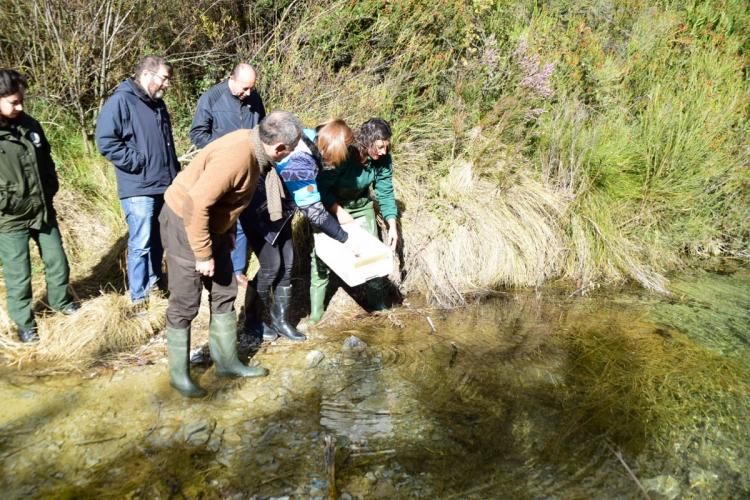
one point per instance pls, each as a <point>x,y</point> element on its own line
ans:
<point>178,353</point>
<point>317,303</point>
<point>318,286</point>
<point>222,340</point>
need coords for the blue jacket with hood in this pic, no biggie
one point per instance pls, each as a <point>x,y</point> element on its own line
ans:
<point>134,132</point>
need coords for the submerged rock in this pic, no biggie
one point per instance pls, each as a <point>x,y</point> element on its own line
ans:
<point>313,359</point>
<point>702,479</point>
<point>666,486</point>
<point>199,433</point>
<point>354,344</point>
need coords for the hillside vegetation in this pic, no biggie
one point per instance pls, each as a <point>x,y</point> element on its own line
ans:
<point>593,141</point>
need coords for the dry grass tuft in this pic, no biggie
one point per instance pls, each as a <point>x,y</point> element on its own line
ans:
<point>476,236</point>
<point>104,326</point>
<point>93,234</point>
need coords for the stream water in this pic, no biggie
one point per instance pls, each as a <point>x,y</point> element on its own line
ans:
<point>616,394</point>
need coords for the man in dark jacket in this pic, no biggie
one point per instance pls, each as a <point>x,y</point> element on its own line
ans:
<point>228,106</point>
<point>134,132</point>
<point>28,182</point>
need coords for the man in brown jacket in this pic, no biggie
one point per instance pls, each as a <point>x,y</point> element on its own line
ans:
<point>197,228</point>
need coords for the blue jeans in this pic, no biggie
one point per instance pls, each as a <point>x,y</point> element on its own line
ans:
<point>239,254</point>
<point>145,249</point>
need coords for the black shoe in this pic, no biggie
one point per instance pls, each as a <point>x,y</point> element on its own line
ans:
<point>70,309</point>
<point>138,309</point>
<point>28,334</point>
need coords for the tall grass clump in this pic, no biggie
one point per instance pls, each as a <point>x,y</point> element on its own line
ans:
<point>103,328</point>
<point>648,140</point>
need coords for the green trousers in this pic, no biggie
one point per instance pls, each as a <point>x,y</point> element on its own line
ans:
<point>319,271</point>
<point>16,259</point>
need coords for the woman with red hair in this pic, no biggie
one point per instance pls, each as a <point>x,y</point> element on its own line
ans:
<point>269,226</point>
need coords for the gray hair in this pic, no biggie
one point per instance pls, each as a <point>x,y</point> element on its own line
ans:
<point>280,126</point>
<point>152,64</point>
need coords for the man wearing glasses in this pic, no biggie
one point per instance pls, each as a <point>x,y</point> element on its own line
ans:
<point>134,132</point>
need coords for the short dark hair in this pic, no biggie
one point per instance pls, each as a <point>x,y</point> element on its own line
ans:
<point>11,82</point>
<point>151,63</point>
<point>280,126</point>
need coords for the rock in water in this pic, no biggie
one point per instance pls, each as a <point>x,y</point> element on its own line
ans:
<point>664,485</point>
<point>354,345</point>
<point>313,359</point>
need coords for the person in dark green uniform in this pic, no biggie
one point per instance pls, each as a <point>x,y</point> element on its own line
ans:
<point>28,182</point>
<point>345,192</point>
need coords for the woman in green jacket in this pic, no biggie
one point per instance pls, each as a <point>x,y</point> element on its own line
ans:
<point>345,192</point>
<point>28,182</point>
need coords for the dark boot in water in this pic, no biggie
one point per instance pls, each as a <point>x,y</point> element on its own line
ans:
<point>222,340</point>
<point>178,352</point>
<point>280,314</point>
<point>375,289</point>
<point>254,325</point>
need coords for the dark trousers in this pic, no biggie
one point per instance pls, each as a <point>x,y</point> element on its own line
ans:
<point>185,283</point>
<point>16,258</point>
<point>275,260</point>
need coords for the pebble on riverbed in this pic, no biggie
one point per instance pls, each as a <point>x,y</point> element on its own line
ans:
<point>313,359</point>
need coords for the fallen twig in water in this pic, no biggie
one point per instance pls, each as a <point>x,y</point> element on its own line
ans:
<point>273,479</point>
<point>330,463</point>
<point>630,472</point>
<point>471,491</point>
<point>432,325</point>
<point>102,440</point>
<point>13,452</point>
<point>454,354</point>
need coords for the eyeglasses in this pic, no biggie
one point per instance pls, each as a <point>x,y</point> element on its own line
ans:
<point>162,78</point>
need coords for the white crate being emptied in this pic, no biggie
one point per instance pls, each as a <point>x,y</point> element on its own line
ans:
<point>376,258</point>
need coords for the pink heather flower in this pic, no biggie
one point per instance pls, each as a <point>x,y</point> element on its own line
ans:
<point>536,79</point>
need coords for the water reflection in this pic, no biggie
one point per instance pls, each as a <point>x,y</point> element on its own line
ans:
<point>357,407</point>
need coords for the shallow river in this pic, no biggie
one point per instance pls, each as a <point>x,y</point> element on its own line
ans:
<point>530,394</point>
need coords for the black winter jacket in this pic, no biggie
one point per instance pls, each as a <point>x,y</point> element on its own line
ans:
<point>219,112</point>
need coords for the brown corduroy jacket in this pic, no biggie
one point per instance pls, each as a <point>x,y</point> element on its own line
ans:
<point>211,192</point>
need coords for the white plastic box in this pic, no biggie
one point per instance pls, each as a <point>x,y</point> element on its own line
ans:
<point>375,260</point>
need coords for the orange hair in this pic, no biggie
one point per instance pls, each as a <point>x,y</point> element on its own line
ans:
<point>334,138</point>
